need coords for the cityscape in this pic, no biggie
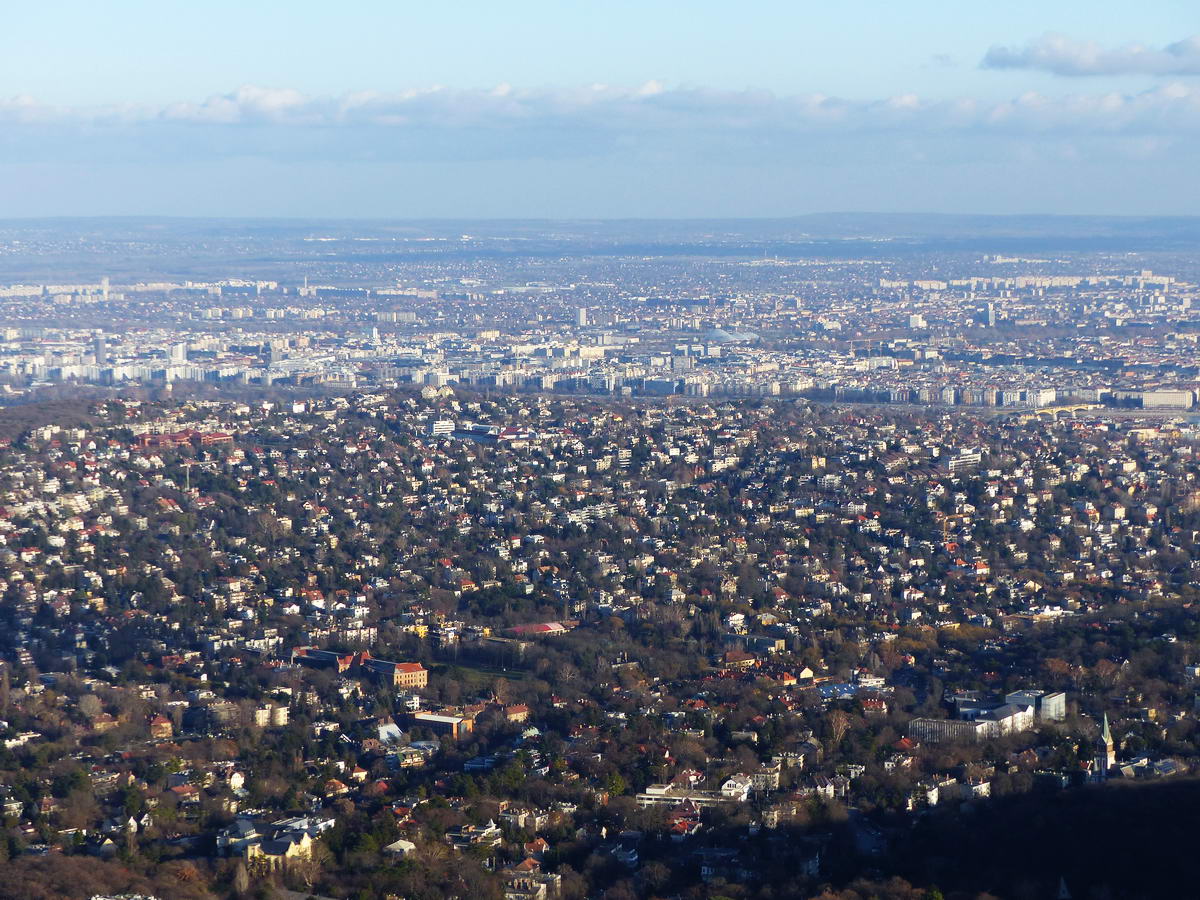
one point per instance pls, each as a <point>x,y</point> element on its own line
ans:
<point>675,571</point>
<point>599,451</point>
<point>697,320</point>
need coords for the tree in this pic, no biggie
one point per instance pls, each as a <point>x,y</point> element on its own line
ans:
<point>90,706</point>
<point>241,880</point>
<point>839,724</point>
<point>616,784</point>
<point>500,690</point>
<point>79,809</point>
<point>308,868</point>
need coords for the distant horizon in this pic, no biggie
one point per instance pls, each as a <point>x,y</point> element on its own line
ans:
<point>66,217</point>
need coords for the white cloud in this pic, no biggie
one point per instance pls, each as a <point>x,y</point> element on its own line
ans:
<point>247,104</point>
<point>650,120</point>
<point>1061,55</point>
<point>651,107</point>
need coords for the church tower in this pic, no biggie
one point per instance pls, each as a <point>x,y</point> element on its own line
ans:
<point>1106,755</point>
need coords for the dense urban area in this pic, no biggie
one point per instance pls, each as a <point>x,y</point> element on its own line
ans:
<point>530,563</point>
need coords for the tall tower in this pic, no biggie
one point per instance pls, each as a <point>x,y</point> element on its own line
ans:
<point>1106,754</point>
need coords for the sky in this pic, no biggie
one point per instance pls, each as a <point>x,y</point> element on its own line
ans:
<point>602,109</point>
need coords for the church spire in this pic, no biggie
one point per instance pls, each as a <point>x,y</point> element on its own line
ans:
<point>1106,755</point>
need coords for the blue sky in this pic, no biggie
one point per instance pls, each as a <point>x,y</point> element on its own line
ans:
<point>598,109</point>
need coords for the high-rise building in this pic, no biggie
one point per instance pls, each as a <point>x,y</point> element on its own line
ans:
<point>100,350</point>
<point>581,317</point>
<point>990,315</point>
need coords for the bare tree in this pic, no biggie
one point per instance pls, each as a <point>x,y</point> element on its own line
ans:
<point>839,724</point>
<point>308,867</point>
<point>90,706</point>
<point>241,880</point>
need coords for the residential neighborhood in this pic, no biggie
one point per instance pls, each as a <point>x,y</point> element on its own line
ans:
<point>339,652</point>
